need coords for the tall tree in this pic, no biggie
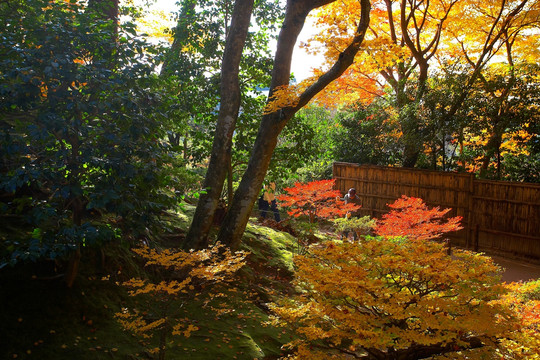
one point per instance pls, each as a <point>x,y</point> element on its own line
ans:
<point>277,117</point>
<point>502,106</point>
<point>271,126</point>
<point>404,36</point>
<point>193,68</point>
<point>80,137</point>
<point>228,114</point>
<point>492,28</point>
<point>409,35</point>
<point>504,34</point>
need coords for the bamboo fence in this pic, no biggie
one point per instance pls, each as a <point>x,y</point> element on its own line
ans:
<point>498,217</point>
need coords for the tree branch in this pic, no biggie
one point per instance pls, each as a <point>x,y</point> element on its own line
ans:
<point>345,59</point>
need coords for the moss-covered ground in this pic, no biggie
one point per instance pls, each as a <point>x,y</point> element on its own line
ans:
<point>43,319</point>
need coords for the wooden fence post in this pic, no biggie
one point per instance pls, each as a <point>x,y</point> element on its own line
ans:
<point>476,235</point>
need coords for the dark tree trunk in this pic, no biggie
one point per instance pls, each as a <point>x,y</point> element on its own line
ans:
<point>244,198</point>
<point>491,150</point>
<point>228,114</point>
<point>174,139</point>
<point>229,182</point>
<point>422,53</point>
<point>76,207</point>
<point>185,145</point>
<point>411,150</point>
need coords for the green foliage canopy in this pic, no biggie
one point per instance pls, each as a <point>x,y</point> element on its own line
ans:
<point>81,131</point>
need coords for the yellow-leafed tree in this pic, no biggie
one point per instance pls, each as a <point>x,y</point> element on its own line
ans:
<point>393,299</point>
<point>409,39</point>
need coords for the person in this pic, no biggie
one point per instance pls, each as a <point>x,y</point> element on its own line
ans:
<point>268,201</point>
<point>350,198</point>
<point>263,206</point>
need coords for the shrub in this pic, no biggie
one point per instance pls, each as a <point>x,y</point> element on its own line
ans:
<point>390,299</point>
<point>361,226</point>
<point>411,217</point>
<point>83,158</point>
<point>316,200</point>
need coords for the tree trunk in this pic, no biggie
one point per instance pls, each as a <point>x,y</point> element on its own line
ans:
<point>228,114</point>
<point>245,196</point>
<point>76,207</point>
<point>443,153</point>
<point>271,125</point>
<point>491,149</point>
<point>185,145</point>
<point>411,153</point>
<point>72,268</point>
<point>229,183</point>
<point>174,139</point>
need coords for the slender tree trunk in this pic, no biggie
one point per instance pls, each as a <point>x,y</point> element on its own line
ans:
<point>185,145</point>
<point>434,157</point>
<point>174,139</point>
<point>499,163</point>
<point>491,149</point>
<point>461,154</point>
<point>271,125</point>
<point>410,155</point>
<point>443,154</point>
<point>228,114</point>
<point>77,208</point>
<point>229,183</point>
<point>107,10</point>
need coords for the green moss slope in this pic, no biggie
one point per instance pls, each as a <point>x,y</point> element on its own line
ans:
<point>42,319</point>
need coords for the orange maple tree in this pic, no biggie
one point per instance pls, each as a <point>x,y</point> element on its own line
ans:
<point>403,37</point>
<point>409,41</point>
<point>316,200</point>
<point>402,296</point>
<point>411,217</point>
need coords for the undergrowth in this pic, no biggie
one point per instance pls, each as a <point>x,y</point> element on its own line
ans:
<point>43,319</point>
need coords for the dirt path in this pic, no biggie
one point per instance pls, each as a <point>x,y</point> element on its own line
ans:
<point>517,270</point>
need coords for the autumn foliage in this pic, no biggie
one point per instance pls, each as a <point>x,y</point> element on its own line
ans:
<point>412,218</point>
<point>185,276</point>
<point>391,300</point>
<point>402,296</point>
<point>316,200</point>
<point>524,300</point>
